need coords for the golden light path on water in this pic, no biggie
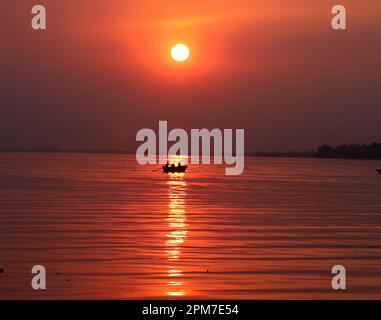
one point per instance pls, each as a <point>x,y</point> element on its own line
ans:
<point>177,224</point>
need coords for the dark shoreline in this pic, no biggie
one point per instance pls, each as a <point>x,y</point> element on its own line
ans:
<point>309,155</point>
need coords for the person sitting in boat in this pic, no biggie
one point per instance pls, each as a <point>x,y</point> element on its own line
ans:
<point>167,164</point>
<point>173,166</point>
<point>179,165</point>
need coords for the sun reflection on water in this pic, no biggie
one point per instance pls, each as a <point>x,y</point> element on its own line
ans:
<point>177,224</point>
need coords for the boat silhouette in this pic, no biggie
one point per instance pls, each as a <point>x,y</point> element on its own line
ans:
<point>379,170</point>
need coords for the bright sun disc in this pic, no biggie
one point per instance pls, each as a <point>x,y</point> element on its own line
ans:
<point>180,52</point>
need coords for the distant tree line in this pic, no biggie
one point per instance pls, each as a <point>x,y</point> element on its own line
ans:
<point>351,151</point>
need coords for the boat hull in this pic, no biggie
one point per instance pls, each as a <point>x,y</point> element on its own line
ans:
<point>180,169</point>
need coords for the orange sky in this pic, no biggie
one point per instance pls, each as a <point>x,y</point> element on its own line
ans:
<point>102,71</point>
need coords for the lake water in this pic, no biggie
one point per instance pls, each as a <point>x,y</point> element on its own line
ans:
<point>105,227</point>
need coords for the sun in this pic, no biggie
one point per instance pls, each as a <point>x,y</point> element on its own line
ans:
<point>180,52</point>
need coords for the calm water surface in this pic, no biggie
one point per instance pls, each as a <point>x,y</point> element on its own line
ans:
<point>105,227</point>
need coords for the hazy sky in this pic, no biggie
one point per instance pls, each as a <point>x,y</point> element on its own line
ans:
<point>102,71</point>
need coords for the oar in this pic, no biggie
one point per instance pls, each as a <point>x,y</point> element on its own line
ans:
<point>156,170</point>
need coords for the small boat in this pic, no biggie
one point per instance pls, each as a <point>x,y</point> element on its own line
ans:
<point>176,169</point>
<point>379,170</point>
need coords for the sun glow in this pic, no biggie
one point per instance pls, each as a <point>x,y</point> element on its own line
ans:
<point>180,52</point>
